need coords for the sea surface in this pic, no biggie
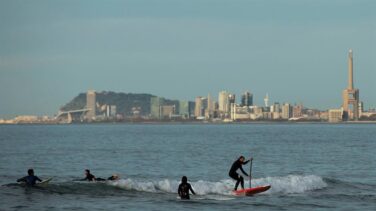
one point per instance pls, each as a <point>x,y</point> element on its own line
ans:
<point>309,166</point>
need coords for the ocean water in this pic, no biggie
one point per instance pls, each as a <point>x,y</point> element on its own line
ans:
<point>309,166</point>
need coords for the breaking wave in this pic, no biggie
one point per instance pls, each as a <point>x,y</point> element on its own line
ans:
<point>220,190</point>
<point>288,184</point>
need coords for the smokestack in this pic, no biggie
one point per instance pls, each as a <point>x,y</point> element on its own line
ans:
<point>350,64</point>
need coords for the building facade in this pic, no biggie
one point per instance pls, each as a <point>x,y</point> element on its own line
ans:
<point>184,110</point>
<point>200,106</point>
<point>156,104</point>
<point>286,111</point>
<point>335,115</point>
<point>91,104</point>
<point>247,99</point>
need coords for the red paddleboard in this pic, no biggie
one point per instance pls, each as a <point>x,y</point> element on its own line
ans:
<point>251,191</point>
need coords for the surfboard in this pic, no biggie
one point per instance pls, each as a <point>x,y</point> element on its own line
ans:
<point>251,191</point>
<point>44,182</point>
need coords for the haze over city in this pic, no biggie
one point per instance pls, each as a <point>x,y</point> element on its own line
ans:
<point>294,50</point>
<point>187,105</point>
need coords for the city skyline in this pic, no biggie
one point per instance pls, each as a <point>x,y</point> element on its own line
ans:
<point>296,52</point>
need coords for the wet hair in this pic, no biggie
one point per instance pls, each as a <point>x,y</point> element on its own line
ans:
<point>184,179</point>
<point>30,172</point>
<point>241,156</point>
<point>87,171</point>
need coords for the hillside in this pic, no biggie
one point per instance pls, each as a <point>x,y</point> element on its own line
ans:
<point>124,102</point>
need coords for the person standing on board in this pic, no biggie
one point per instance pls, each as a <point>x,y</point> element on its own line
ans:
<point>30,179</point>
<point>234,175</point>
<point>184,188</point>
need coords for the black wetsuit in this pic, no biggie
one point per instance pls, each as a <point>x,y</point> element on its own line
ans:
<point>92,178</point>
<point>183,190</point>
<point>234,175</point>
<point>89,177</point>
<point>29,180</point>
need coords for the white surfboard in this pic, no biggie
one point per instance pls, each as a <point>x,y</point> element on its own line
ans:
<point>44,182</point>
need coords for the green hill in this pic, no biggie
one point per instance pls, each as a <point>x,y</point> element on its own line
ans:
<point>124,102</point>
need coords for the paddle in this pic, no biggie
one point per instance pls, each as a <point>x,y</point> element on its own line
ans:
<point>250,174</point>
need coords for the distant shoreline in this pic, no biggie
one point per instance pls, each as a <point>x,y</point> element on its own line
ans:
<point>199,123</point>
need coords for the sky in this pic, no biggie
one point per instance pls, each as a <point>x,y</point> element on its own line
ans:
<point>294,50</point>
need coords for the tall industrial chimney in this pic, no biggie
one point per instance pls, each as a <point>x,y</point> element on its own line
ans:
<point>350,64</point>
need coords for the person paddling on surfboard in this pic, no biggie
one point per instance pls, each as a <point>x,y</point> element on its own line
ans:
<point>31,179</point>
<point>88,176</point>
<point>234,175</point>
<point>113,177</point>
<point>184,188</point>
<point>91,178</point>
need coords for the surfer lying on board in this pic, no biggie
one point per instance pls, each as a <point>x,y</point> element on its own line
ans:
<point>30,179</point>
<point>184,188</point>
<point>234,175</point>
<point>89,177</point>
<point>113,177</point>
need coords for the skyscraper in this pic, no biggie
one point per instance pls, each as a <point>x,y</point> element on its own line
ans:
<point>184,109</point>
<point>209,111</point>
<point>156,104</point>
<point>266,100</point>
<point>286,111</point>
<point>91,104</point>
<point>198,107</point>
<point>223,101</point>
<point>110,110</point>
<point>247,99</point>
<point>231,99</point>
<point>297,111</point>
<point>350,94</point>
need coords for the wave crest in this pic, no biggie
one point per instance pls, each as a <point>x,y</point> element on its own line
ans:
<point>287,184</point>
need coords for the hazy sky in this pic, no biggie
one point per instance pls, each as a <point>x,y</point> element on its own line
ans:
<point>295,50</point>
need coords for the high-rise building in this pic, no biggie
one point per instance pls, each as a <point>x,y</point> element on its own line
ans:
<point>113,110</point>
<point>200,105</point>
<point>266,100</point>
<point>192,108</point>
<point>297,111</point>
<point>209,111</point>
<point>350,94</point>
<point>276,107</point>
<point>361,109</point>
<point>286,111</point>
<point>223,101</point>
<point>156,104</point>
<point>110,110</point>
<point>167,111</point>
<point>184,109</point>
<point>247,99</point>
<point>91,104</point>
<point>231,99</point>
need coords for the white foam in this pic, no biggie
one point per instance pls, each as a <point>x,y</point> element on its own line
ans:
<point>291,183</point>
<point>287,184</point>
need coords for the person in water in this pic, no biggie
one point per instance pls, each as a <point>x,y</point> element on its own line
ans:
<point>113,177</point>
<point>88,176</point>
<point>234,175</point>
<point>91,178</point>
<point>31,179</point>
<point>184,188</point>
